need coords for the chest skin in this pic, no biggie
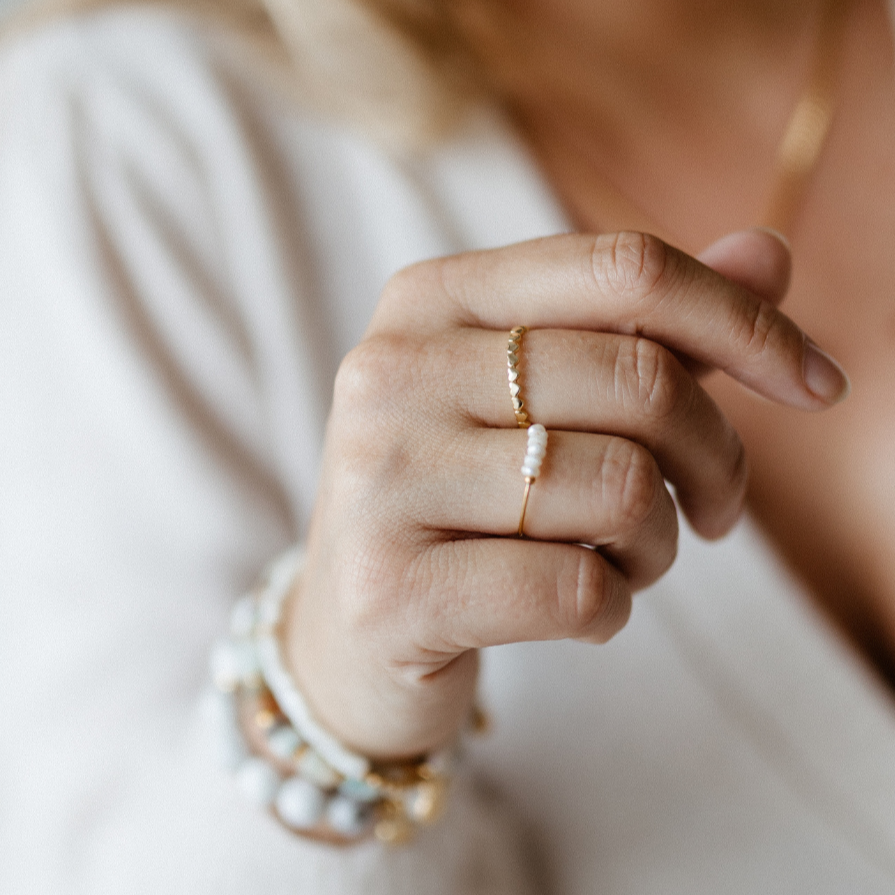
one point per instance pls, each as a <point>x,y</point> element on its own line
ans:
<point>823,485</point>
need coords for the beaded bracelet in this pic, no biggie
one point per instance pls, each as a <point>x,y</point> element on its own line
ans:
<point>284,760</point>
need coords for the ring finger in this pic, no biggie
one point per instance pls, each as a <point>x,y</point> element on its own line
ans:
<point>626,386</point>
<point>599,490</point>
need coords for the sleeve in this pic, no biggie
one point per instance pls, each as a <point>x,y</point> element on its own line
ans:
<point>162,415</point>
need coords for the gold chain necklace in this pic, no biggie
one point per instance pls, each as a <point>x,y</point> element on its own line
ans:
<point>798,151</point>
<point>806,131</point>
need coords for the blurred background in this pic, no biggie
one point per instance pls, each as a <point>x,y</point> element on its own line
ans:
<point>9,5</point>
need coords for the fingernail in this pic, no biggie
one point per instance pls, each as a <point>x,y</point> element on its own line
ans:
<point>823,376</point>
<point>780,237</point>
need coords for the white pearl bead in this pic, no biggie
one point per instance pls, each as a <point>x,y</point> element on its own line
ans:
<point>312,767</point>
<point>358,791</point>
<point>346,816</point>
<point>233,663</point>
<point>535,452</point>
<point>283,741</point>
<point>300,804</point>
<point>258,781</point>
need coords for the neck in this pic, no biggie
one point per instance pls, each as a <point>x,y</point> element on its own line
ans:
<point>647,33</point>
<point>603,86</point>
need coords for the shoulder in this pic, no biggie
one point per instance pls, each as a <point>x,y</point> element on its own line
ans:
<point>67,53</point>
<point>147,42</point>
<point>163,87</point>
<point>94,63</point>
<point>141,113</point>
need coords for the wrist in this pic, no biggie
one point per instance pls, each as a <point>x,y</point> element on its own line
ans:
<point>382,707</point>
<point>287,761</point>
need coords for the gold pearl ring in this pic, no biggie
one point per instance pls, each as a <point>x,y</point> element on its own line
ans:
<point>531,466</point>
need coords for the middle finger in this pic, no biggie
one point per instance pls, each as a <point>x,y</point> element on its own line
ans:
<point>619,385</point>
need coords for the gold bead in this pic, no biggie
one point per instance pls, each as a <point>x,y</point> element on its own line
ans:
<point>479,721</point>
<point>514,346</point>
<point>429,801</point>
<point>393,826</point>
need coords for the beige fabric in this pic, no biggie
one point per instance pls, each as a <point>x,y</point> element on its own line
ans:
<point>183,260</point>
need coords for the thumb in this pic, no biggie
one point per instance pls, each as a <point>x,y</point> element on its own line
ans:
<point>757,259</point>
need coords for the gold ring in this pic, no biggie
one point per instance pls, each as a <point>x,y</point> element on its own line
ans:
<point>513,346</point>
<point>531,466</point>
<point>528,482</point>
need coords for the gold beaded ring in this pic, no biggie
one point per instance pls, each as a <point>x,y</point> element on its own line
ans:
<point>513,346</point>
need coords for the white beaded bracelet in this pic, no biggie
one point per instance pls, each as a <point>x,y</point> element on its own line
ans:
<point>280,580</point>
<point>284,760</point>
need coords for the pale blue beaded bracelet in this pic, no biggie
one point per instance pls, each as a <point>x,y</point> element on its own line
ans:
<point>284,760</point>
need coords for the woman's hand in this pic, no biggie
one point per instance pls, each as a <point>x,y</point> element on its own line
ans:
<point>412,563</point>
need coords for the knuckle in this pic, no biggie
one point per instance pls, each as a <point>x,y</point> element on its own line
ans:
<point>633,264</point>
<point>373,373</point>
<point>373,404</point>
<point>651,380</point>
<point>759,329</point>
<point>451,275</point>
<point>445,280</point>
<point>600,605</point>
<point>405,285</point>
<point>361,373</point>
<point>588,589</point>
<point>629,485</point>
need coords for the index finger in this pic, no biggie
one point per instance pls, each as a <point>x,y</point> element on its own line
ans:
<point>626,283</point>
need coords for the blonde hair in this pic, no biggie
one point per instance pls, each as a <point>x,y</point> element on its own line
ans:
<point>397,68</point>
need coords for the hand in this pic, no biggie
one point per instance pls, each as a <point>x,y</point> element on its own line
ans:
<point>412,565</point>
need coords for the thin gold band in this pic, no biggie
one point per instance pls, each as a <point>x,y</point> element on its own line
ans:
<point>528,481</point>
<point>535,452</point>
<point>513,346</point>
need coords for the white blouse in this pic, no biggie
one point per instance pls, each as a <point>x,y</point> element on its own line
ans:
<point>185,256</point>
